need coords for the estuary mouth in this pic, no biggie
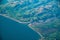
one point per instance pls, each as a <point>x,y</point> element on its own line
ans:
<point>42,16</point>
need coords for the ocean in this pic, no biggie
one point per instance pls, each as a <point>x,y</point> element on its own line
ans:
<point>11,30</point>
